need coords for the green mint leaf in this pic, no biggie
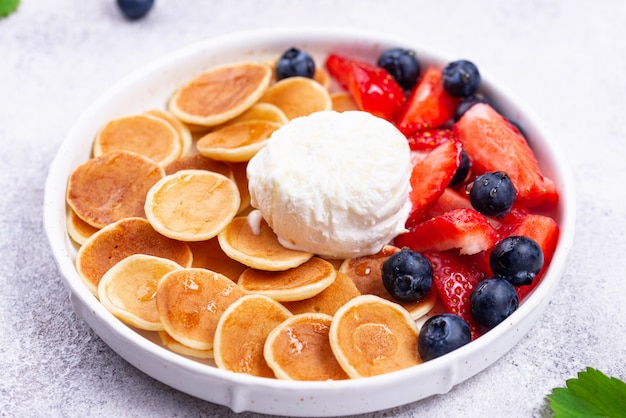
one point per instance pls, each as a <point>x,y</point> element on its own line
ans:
<point>592,394</point>
<point>8,6</point>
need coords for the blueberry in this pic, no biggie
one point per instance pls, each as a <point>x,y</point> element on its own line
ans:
<point>518,259</point>
<point>402,64</point>
<point>441,334</point>
<point>407,275</point>
<point>468,102</point>
<point>135,9</point>
<point>492,301</point>
<point>295,63</point>
<point>492,193</point>
<point>460,78</point>
<point>462,171</point>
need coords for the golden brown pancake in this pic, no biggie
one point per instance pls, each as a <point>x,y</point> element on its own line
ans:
<point>299,349</point>
<point>190,303</point>
<point>199,162</point>
<point>111,187</point>
<point>128,289</point>
<point>343,101</point>
<point>237,142</point>
<point>180,348</point>
<point>371,336</point>
<point>322,77</point>
<point>329,300</point>
<point>78,229</point>
<point>144,134</point>
<point>261,111</point>
<point>261,251</point>
<point>209,255</point>
<point>298,96</point>
<point>241,178</point>
<point>298,283</point>
<point>121,239</point>
<point>221,93</point>
<point>366,273</point>
<point>192,205</point>
<point>184,134</point>
<point>242,331</point>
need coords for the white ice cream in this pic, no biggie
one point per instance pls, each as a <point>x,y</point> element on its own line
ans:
<point>334,184</point>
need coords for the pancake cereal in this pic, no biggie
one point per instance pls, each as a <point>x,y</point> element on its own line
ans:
<point>168,243</point>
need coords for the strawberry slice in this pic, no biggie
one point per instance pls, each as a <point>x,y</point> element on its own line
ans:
<point>429,106</point>
<point>455,277</point>
<point>463,229</point>
<point>493,144</point>
<point>428,139</point>
<point>430,177</point>
<point>373,88</point>
<point>450,199</point>
<point>545,231</point>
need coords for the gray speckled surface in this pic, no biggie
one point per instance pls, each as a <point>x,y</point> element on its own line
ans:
<point>564,59</point>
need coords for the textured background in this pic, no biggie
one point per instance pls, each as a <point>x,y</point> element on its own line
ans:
<point>565,59</point>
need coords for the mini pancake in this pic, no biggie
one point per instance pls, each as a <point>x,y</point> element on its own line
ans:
<point>179,348</point>
<point>260,250</point>
<point>78,229</point>
<point>371,336</point>
<point>343,101</point>
<point>261,111</point>
<point>298,96</point>
<point>111,187</point>
<point>144,134</point>
<point>322,77</point>
<point>199,162</point>
<point>128,289</point>
<point>221,93</point>
<point>209,255</point>
<point>183,131</point>
<point>241,178</point>
<point>121,239</point>
<point>192,205</point>
<point>299,349</point>
<point>329,300</point>
<point>190,303</point>
<point>298,283</point>
<point>242,331</point>
<point>366,273</point>
<point>237,142</point>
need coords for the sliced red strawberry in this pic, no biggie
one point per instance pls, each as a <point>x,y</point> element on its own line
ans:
<point>455,277</point>
<point>430,177</point>
<point>545,232</point>
<point>430,138</point>
<point>463,229</point>
<point>373,88</point>
<point>450,199</point>
<point>429,106</point>
<point>493,144</point>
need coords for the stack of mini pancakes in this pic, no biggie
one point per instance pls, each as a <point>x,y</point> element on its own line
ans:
<point>159,214</point>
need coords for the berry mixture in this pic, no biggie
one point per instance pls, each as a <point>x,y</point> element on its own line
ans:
<point>478,195</point>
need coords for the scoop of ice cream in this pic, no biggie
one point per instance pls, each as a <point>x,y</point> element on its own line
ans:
<point>334,184</point>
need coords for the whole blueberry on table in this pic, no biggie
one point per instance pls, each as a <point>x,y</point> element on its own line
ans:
<point>492,301</point>
<point>460,78</point>
<point>295,63</point>
<point>518,259</point>
<point>135,9</point>
<point>441,334</point>
<point>407,275</point>
<point>402,65</point>
<point>492,193</point>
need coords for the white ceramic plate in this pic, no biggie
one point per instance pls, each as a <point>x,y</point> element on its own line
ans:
<point>150,88</point>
